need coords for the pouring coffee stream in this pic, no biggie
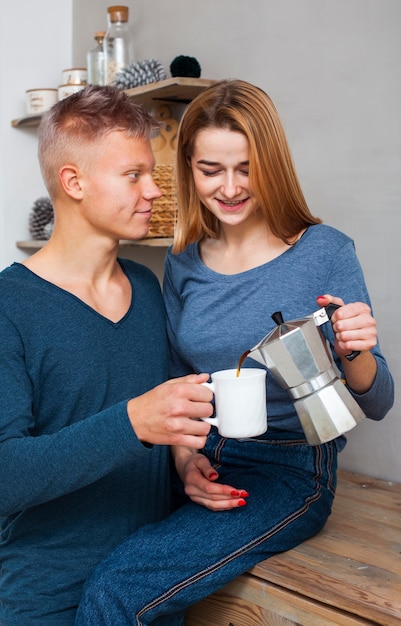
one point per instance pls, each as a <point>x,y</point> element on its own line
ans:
<point>299,357</point>
<point>241,360</point>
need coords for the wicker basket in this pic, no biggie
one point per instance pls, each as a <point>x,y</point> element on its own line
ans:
<point>163,145</point>
<point>164,209</point>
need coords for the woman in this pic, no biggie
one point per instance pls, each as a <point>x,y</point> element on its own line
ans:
<point>246,245</point>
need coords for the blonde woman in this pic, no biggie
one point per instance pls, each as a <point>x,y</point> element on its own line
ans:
<point>246,245</point>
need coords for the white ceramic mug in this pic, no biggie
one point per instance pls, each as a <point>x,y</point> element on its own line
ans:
<point>240,402</point>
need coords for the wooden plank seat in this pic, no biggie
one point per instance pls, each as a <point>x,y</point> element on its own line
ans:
<point>348,574</point>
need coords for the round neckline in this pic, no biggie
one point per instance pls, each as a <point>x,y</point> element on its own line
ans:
<point>258,268</point>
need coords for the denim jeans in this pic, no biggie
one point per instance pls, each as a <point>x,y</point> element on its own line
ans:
<point>163,568</point>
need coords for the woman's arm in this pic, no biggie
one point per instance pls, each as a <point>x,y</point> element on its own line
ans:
<point>367,376</point>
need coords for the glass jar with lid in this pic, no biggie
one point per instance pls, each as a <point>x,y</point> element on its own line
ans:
<point>118,44</point>
<point>95,61</point>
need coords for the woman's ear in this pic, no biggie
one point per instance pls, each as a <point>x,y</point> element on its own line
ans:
<point>69,179</point>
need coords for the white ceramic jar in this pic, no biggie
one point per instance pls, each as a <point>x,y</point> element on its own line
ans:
<point>67,90</point>
<point>40,100</point>
<point>74,76</point>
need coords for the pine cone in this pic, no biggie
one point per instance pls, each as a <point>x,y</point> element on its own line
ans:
<point>41,219</point>
<point>141,73</point>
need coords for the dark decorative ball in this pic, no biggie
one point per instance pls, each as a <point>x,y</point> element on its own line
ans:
<point>41,219</point>
<point>185,66</point>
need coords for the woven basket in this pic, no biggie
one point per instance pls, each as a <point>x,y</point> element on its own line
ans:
<point>164,209</point>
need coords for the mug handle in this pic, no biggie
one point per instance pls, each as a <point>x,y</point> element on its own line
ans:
<point>214,421</point>
<point>210,420</point>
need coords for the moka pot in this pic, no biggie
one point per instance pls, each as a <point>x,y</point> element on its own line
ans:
<point>299,357</point>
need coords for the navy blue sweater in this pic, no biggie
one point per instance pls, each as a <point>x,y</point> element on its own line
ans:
<point>74,479</point>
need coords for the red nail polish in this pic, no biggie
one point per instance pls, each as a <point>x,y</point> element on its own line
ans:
<point>213,476</point>
<point>244,494</point>
<point>235,493</point>
<point>241,502</point>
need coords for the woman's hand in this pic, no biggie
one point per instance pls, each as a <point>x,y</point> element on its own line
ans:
<point>353,325</point>
<point>354,329</point>
<point>199,478</point>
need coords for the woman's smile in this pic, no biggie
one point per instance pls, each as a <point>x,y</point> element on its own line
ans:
<point>230,205</point>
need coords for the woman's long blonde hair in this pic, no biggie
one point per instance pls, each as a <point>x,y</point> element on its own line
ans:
<point>239,106</point>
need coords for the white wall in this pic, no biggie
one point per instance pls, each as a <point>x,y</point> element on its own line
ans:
<point>332,68</point>
<point>35,46</point>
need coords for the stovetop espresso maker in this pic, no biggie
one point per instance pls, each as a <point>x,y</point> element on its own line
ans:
<point>300,359</point>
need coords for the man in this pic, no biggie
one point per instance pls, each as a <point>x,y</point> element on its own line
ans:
<point>83,365</point>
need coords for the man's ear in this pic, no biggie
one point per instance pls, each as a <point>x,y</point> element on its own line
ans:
<point>69,179</point>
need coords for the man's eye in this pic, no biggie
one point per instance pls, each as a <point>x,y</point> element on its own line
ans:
<point>134,175</point>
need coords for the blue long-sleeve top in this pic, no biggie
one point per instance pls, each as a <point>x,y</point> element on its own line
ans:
<point>213,318</point>
<point>74,478</point>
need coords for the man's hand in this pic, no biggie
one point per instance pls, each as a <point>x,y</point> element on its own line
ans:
<point>169,414</point>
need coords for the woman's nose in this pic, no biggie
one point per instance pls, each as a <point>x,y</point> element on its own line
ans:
<point>230,187</point>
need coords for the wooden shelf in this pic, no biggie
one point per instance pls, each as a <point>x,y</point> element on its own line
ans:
<point>28,120</point>
<point>157,242</point>
<point>178,89</point>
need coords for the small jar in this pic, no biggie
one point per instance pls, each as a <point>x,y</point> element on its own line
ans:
<point>40,100</point>
<point>64,91</point>
<point>74,76</point>
<point>95,61</point>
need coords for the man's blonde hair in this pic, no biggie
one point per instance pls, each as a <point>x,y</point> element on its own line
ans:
<point>81,120</point>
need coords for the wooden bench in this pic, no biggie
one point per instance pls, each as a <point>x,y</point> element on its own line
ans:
<point>348,574</point>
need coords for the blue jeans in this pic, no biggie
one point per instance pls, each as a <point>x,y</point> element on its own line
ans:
<point>163,568</point>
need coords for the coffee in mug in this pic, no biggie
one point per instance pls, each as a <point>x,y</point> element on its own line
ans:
<point>240,402</point>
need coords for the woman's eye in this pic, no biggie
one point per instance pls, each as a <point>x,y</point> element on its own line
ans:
<point>134,175</point>
<point>217,172</point>
<point>210,173</point>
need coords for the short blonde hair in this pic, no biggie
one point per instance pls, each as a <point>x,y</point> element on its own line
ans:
<point>80,121</point>
<point>239,106</point>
